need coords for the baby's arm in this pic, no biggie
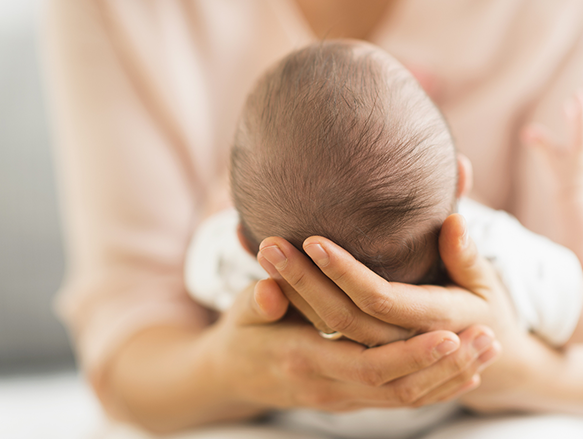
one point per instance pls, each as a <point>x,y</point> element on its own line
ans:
<point>565,160</point>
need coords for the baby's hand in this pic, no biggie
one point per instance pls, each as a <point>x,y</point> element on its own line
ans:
<point>564,158</point>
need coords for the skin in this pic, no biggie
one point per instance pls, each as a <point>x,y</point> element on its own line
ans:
<point>330,19</point>
<point>565,160</point>
<point>342,295</point>
<point>564,157</point>
<point>519,380</point>
<point>167,378</point>
<point>252,360</point>
<point>256,358</point>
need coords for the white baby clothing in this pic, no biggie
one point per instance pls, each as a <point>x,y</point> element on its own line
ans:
<point>544,280</point>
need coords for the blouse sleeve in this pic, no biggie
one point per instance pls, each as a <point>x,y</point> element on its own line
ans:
<point>130,198</point>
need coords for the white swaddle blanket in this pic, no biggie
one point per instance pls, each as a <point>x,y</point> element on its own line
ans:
<point>544,280</point>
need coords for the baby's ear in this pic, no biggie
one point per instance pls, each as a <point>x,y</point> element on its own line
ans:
<point>465,176</point>
<point>244,241</point>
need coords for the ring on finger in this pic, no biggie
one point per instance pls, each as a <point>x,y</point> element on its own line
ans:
<point>331,335</point>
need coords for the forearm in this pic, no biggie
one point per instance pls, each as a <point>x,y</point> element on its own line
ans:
<point>555,380</point>
<point>165,379</point>
<point>537,378</point>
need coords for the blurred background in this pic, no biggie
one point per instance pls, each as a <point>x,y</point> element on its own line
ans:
<point>31,253</point>
<point>41,394</point>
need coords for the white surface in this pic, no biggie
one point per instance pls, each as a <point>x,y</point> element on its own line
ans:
<point>62,406</point>
<point>59,406</point>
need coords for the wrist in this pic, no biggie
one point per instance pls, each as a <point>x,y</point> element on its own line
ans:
<point>508,383</point>
<point>534,377</point>
<point>216,378</point>
<point>553,379</point>
<point>165,379</point>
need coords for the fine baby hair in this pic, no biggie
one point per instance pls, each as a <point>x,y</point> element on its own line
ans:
<point>339,140</point>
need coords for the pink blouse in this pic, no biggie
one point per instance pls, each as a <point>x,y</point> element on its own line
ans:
<point>146,95</point>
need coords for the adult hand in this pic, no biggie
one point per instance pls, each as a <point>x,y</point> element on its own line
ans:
<point>341,294</point>
<point>267,360</point>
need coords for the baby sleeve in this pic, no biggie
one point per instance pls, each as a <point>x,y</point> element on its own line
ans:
<point>544,279</point>
<point>217,267</point>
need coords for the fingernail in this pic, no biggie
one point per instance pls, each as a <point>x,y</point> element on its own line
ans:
<point>268,266</point>
<point>274,255</point>
<point>446,347</point>
<point>490,355</point>
<point>482,342</point>
<point>318,254</point>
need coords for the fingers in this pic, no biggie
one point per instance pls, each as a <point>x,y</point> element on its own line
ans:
<point>320,299</point>
<point>418,374</point>
<point>260,303</point>
<point>347,375</point>
<point>349,362</point>
<point>466,381</point>
<point>454,374</point>
<point>539,136</point>
<point>300,270</point>
<point>410,306</point>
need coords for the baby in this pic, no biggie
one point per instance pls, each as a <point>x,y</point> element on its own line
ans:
<point>339,140</point>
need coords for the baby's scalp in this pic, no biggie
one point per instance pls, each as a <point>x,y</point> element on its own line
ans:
<point>339,140</point>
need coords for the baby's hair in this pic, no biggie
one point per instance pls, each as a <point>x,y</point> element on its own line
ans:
<point>339,140</point>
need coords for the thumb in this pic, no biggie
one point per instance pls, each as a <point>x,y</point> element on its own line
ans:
<point>460,256</point>
<point>260,303</point>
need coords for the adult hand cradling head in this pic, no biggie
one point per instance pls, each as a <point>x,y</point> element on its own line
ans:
<point>346,296</point>
<point>301,369</point>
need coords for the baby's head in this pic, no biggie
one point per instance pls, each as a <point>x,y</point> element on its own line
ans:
<point>339,140</point>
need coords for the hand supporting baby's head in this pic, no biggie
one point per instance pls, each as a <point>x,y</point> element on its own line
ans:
<point>339,140</point>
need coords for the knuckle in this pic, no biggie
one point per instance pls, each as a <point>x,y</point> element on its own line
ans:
<point>457,363</point>
<point>377,305</point>
<point>468,375</point>
<point>420,362</point>
<point>337,275</point>
<point>460,360</point>
<point>296,278</point>
<point>463,378</point>
<point>295,366</point>
<point>342,320</point>
<point>370,376</point>
<point>406,395</point>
